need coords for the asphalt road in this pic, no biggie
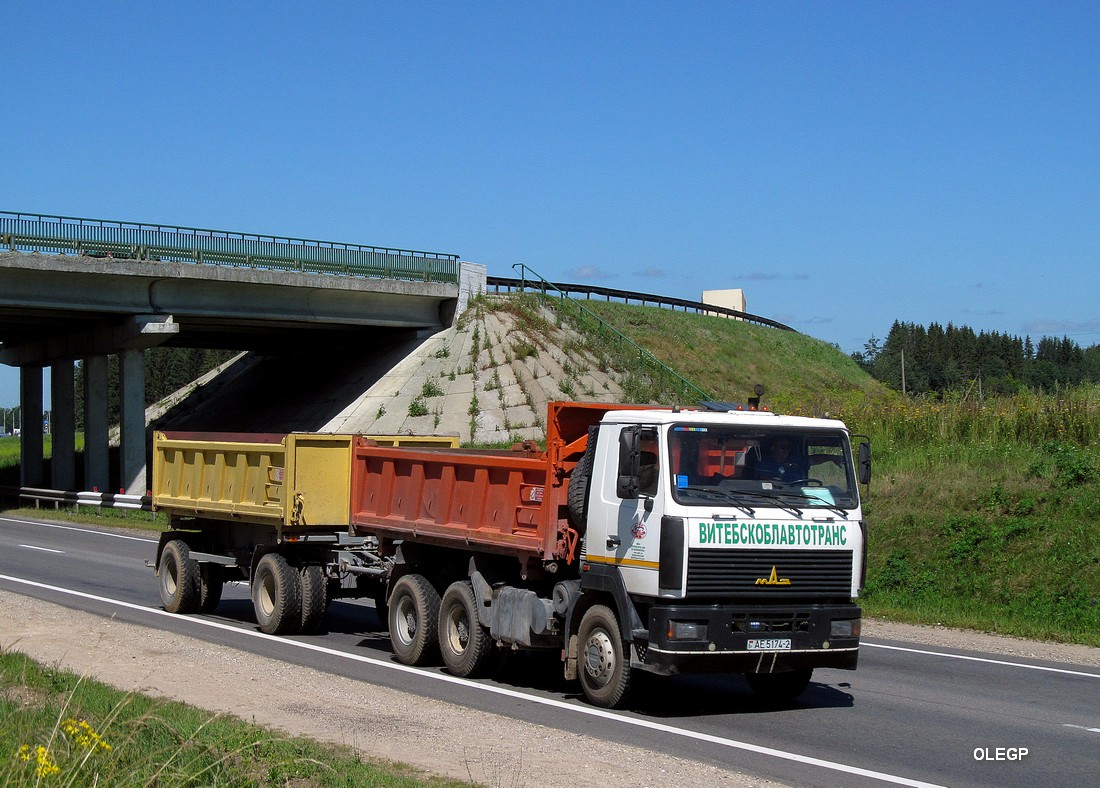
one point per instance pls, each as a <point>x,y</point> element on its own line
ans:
<point>909,715</point>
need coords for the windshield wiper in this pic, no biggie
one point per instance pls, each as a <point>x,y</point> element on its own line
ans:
<point>725,495</point>
<point>809,497</point>
<point>770,497</point>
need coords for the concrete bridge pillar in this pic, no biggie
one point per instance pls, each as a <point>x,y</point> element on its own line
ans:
<point>63,425</point>
<point>32,472</point>
<point>97,474</point>
<point>131,380</point>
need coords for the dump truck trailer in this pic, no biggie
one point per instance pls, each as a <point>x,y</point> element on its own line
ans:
<point>667,540</point>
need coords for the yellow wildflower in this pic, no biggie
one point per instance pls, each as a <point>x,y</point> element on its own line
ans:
<point>84,735</point>
<point>44,765</point>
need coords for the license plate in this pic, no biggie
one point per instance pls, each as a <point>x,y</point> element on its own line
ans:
<point>769,644</point>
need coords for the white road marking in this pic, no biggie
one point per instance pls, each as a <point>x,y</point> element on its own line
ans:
<point>588,711</point>
<point>1081,728</point>
<point>865,644</point>
<point>43,549</point>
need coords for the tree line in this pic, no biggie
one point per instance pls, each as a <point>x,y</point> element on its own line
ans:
<point>938,359</point>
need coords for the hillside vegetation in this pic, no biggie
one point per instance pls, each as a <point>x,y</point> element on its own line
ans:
<point>726,357</point>
<point>983,513</point>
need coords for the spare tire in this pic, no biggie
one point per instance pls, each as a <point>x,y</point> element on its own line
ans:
<point>577,495</point>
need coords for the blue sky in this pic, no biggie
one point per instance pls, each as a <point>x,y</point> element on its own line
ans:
<point>846,164</point>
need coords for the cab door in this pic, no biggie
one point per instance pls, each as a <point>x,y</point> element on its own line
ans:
<point>631,497</point>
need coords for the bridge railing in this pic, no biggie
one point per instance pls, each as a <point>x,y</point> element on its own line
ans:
<point>627,296</point>
<point>157,242</point>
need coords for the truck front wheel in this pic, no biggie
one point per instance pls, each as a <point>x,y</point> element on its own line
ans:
<point>464,644</point>
<point>604,669</point>
<point>780,686</point>
<point>180,583</point>
<point>414,620</point>
<point>277,595</point>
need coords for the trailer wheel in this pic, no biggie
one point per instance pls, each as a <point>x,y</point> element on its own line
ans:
<point>463,642</point>
<point>211,580</point>
<point>414,620</point>
<point>277,595</point>
<point>577,494</point>
<point>180,584</point>
<point>314,597</point>
<point>780,686</point>
<point>604,669</point>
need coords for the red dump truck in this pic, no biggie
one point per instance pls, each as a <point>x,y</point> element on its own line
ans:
<point>668,540</point>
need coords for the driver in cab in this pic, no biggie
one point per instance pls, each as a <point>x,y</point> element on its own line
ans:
<point>781,462</point>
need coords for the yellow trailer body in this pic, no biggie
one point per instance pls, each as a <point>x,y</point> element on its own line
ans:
<point>293,481</point>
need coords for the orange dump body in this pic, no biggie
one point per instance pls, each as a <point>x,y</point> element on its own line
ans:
<point>507,502</point>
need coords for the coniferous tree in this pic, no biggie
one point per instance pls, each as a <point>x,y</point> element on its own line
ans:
<point>938,359</point>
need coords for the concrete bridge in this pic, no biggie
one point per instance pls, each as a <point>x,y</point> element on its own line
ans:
<point>77,289</point>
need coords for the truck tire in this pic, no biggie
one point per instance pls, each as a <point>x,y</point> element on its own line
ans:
<point>277,595</point>
<point>314,597</point>
<point>604,668</point>
<point>464,643</point>
<point>780,686</point>
<point>180,584</point>
<point>577,494</point>
<point>211,582</point>
<point>414,620</point>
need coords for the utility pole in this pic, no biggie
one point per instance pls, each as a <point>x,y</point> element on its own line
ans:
<point>903,371</point>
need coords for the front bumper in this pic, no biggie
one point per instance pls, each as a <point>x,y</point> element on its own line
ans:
<point>725,648</point>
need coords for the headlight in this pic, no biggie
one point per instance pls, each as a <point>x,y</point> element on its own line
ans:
<point>848,628</point>
<point>687,630</point>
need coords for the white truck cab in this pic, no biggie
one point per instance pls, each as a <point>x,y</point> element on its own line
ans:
<point>737,537</point>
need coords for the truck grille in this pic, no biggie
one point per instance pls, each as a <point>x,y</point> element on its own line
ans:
<point>734,573</point>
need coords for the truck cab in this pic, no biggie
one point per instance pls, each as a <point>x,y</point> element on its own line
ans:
<point>733,541</point>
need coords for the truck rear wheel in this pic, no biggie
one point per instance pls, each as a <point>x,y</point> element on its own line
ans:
<point>463,642</point>
<point>414,620</point>
<point>180,584</point>
<point>277,595</point>
<point>780,686</point>
<point>604,668</point>
<point>314,597</point>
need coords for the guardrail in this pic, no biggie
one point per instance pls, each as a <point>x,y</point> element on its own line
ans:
<point>70,498</point>
<point>644,299</point>
<point>158,242</point>
<point>670,378</point>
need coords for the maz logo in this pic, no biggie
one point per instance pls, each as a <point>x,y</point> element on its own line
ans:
<point>773,580</point>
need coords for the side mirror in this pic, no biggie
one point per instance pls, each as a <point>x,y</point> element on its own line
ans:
<point>626,484</point>
<point>865,463</point>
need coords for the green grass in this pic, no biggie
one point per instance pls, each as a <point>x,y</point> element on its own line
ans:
<point>988,517</point>
<point>9,452</point>
<point>93,515</point>
<point>57,728</point>
<point>728,357</point>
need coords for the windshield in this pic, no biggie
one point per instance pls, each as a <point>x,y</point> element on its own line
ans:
<point>752,467</point>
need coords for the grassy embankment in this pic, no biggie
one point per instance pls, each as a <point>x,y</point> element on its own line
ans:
<point>59,729</point>
<point>982,514</point>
